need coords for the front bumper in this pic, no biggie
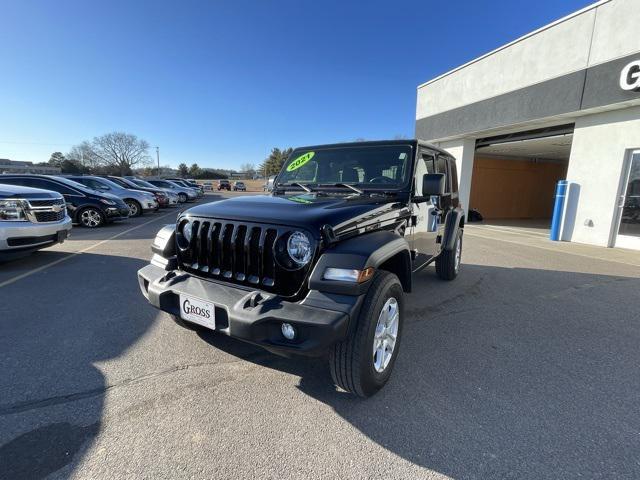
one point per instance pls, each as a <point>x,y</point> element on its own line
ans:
<point>27,236</point>
<point>149,205</point>
<point>255,316</point>
<point>116,213</point>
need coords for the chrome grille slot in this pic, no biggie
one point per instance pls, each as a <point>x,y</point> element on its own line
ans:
<point>239,262</point>
<point>227,251</point>
<point>268,259</point>
<point>201,259</point>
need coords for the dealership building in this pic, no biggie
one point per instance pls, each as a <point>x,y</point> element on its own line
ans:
<point>562,102</point>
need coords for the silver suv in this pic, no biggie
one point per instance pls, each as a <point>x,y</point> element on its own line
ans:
<point>30,219</point>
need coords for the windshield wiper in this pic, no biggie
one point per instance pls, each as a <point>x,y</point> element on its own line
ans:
<point>303,186</point>
<point>341,184</point>
<point>355,189</point>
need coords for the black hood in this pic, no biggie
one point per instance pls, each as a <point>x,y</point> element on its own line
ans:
<point>310,210</point>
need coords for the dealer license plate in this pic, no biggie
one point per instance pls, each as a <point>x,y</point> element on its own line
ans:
<point>197,311</point>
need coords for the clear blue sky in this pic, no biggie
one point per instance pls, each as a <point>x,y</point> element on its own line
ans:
<point>220,83</point>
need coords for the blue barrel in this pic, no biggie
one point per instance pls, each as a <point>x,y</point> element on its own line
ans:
<point>558,209</point>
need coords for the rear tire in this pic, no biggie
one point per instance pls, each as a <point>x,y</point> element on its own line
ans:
<point>448,262</point>
<point>362,363</point>
<point>182,197</point>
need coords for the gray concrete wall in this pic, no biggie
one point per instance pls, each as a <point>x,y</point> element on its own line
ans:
<point>601,143</point>
<point>571,65</point>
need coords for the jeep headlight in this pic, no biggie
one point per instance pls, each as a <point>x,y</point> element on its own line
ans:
<point>187,231</point>
<point>13,211</point>
<point>299,248</point>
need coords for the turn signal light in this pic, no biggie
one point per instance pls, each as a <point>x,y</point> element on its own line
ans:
<point>348,275</point>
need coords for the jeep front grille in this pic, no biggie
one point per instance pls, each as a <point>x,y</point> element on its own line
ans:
<point>239,252</point>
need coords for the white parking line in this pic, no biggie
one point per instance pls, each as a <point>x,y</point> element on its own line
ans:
<point>86,249</point>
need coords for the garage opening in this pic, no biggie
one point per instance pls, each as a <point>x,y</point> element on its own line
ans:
<point>514,176</point>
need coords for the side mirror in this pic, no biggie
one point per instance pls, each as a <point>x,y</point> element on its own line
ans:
<point>433,184</point>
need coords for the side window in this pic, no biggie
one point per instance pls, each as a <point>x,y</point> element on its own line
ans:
<point>429,160</point>
<point>49,185</point>
<point>425,165</point>
<point>14,181</point>
<point>96,184</point>
<point>441,167</point>
<point>454,176</point>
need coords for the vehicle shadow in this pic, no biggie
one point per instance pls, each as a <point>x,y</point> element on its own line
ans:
<point>51,394</point>
<point>514,373</point>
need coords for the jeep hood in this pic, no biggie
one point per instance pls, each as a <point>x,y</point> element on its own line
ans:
<point>310,211</point>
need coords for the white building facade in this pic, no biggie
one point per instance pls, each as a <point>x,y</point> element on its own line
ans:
<point>560,103</point>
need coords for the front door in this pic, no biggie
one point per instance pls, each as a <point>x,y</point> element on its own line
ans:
<point>629,205</point>
<point>425,224</point>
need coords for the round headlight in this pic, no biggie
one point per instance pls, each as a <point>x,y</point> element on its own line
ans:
<point>187,231</point>
<point>299,248</point>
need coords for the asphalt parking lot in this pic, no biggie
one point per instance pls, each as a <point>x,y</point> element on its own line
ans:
<point>527,366</point>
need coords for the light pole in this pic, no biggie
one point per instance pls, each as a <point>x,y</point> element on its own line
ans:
<point>158,156</point>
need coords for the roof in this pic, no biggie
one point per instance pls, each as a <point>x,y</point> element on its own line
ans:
<point>377,143</point>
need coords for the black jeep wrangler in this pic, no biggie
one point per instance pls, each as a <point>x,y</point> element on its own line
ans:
<point>321,265</point>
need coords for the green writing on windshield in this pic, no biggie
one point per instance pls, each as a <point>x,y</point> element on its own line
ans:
<point>300,161</point>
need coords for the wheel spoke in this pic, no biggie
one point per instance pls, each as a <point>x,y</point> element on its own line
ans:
<point>385,336</point>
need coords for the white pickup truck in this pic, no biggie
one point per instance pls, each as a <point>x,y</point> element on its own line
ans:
<point>30,219</point>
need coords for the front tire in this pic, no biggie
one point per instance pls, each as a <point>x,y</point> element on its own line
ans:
<point>448,262</point>
<point>135,209</point>
<point>363,362</point>
<point>91,217</point>
<point>182,197</point>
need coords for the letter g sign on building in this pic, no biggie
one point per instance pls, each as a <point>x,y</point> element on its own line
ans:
<point>630,76</point>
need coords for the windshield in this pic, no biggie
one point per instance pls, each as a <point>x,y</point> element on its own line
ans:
<point>109,183</point>
<point>163,184</point>
<point>375,166</point>
<point>142,183</point>
<point>76,185</point>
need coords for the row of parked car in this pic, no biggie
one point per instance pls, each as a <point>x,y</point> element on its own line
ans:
<point>37,211</point>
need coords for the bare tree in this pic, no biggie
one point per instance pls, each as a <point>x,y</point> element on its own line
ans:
<point>84,154</point>
<point>122,151</point>
<point>247,167</point>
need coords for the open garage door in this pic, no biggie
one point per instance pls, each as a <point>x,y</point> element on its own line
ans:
<point>514,176</point>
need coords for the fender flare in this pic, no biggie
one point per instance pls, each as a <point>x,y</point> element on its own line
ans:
<point>453,222</point>
<point>358,253</point>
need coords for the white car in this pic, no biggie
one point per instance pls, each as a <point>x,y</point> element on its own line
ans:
<point>30,219</point>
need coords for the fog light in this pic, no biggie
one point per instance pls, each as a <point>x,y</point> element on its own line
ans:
<point>288,331</point>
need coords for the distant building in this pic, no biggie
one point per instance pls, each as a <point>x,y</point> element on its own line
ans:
<point>14,166</point>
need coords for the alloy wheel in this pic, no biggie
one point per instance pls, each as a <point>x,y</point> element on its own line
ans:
<point>458,254</point>
<point>133,208</point>
<point>386,334</point>
<point>91,218</point>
